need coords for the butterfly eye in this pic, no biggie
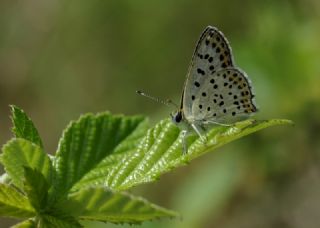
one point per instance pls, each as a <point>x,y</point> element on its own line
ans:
<point>177,117</point>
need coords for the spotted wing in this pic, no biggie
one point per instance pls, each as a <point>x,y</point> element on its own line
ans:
<point>225,97</point>
<point>212,54</point>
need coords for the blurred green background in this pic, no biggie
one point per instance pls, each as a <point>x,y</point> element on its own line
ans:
<point>59,59</point>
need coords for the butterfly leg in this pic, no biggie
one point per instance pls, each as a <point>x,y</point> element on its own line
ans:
<point>184,142</point>
<point>198,130</point>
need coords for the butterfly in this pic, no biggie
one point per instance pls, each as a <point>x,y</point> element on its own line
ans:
<point>216,91</point>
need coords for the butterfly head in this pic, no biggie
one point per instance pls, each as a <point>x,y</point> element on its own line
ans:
<point>177,117</point>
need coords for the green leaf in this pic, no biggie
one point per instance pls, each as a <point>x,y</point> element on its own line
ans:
<point>87,142</point>
<point>105,205</point>
<point>13,203</point>
<point>36,187</point>
<point>25,224</point>
<point>161,150</point>
<point>20,153</point>
<point>23,127</point>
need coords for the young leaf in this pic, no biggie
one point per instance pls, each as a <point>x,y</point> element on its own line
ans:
<point>36,187</point>
<point>26,224</point>
<point>161,150</point>
<point>13,203</point>
<point>105,205</point>
<point>5,179</point>
<point>49,221</point>
<point>19,153</point>
<point>23,127</point>
<point>86,142</point>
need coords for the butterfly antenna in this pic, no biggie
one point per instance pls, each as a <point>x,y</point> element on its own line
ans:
<point>167,102</point>
<point>172,103</point>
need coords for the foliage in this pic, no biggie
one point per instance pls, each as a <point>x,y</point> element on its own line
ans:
<point>98,157</point>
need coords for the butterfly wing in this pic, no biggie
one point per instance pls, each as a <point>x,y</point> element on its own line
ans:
<point>225,97</point>
<point>212,54</point>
